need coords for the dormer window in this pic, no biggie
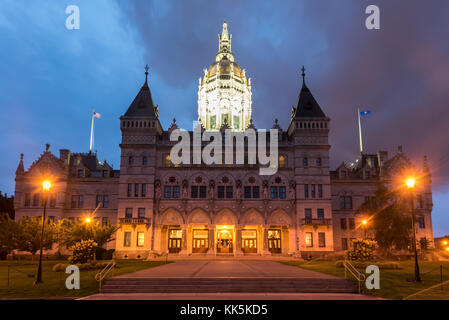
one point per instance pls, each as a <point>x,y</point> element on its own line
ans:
<point>105,173</point>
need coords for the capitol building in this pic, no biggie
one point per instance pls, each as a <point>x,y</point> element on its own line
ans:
<point>305,209</point>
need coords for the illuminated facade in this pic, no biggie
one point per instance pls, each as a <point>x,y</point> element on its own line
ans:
<point>305,209</point>
<point>224,92</point>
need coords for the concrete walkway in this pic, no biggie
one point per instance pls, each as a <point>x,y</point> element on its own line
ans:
<point>226,269</point>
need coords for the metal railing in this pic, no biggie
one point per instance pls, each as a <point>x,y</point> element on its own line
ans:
<point>103,273</point>
<point>355,273</point>
<point>320,222</point>
<point>134,220</point>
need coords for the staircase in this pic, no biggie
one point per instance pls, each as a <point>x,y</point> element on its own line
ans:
<point>226,285</point>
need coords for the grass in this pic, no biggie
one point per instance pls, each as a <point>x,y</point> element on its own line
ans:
<point>21,278</point>
<point>393,282</point>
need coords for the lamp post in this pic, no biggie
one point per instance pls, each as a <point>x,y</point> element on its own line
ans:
<point>364,223</point>
<point>46,185</point>
<point>411,186</point>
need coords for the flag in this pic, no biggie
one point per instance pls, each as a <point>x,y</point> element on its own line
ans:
<point>365,113</point>
<point>97,115</point>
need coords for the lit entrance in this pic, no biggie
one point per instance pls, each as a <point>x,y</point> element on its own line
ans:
<point>249,241</point>
<point>174,240</point>
<point>274,240</point>
<point>200,240</point>
<point>224,240</point>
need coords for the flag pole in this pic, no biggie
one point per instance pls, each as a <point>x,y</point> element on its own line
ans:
<point>92,133</point>
<point>360,131</point>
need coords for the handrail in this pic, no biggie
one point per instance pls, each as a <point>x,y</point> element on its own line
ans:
<point>355,273</point>
<point>103,273</point>
<point>427,289</point>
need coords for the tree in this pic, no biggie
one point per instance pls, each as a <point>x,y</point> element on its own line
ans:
<point>390,219</point>
<point>77,231</point>
<point>8,235</point>
<point>7,205</point>
<point>29,235</point>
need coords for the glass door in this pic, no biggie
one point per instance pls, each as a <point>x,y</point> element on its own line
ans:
<point>174,240</point>
<point>224,241</point>
<point>200,241</point>
<point>274,240</point>
<point>249,241</point>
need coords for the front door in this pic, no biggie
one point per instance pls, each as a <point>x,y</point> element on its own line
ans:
<point>200,241</point>
<point>174,240</point>
<point>224,241</point>
<point>274,241</point>
<point>249,241</point>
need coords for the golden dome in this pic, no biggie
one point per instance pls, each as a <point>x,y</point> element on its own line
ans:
<point>225,67</point>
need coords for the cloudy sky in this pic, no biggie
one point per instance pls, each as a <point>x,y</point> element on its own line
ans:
<point>51,77</point>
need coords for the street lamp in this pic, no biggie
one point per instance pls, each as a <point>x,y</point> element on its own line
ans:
<point>46,185</point>
<point>410,182</point>
<point>88,220</point>
<point>364,223</point>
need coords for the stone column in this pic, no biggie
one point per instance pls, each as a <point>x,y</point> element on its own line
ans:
<point>211,249</point>
<point>265,251</point>
<point>238,241</point>
<point>184,241</point>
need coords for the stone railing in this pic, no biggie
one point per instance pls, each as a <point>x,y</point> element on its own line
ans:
<point>134,221</point>
<point>316,222</point>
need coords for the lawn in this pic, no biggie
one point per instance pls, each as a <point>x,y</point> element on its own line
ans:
<point>21,278</point>
<point>393,282</point>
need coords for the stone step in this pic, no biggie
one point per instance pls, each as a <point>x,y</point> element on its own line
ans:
<point>206,285</point>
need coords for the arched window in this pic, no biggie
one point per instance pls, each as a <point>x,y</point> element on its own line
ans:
<point>281,162</point>
<point>168,161</point>
<point>278,189</point>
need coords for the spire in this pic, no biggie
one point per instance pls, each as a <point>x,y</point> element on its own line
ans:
<point>146,74</point>
<point>303,74</point>
<point>143,104</point>
<point>306,106</point>
<point>224,44</point>
<point>20,169</point>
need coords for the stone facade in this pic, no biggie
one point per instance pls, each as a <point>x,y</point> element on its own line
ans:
<point>305,209</point>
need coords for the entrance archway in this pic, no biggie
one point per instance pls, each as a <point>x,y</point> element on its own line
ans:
<point>225,239</point>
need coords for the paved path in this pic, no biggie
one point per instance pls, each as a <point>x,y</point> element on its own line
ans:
<point>226,269</point>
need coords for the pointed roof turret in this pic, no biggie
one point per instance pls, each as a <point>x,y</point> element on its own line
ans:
<point>20,169</point>
<point>143,104</point>
<point>306,106</point>
<point>224,45</point>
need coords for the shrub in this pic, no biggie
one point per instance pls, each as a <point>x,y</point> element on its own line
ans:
<point>60,267</point>
<point>381,265</point>
<point>361,250</point>
<point>83,251</point>
<point>107,255</point>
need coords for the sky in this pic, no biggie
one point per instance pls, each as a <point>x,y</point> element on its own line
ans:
<point>52,77</point>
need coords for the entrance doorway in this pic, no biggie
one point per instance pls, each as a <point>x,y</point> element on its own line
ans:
<point>249,241</point>
<point>200,240</point>
<point>274,240</point>
<point>224,241</point>
<point>174,240</point>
